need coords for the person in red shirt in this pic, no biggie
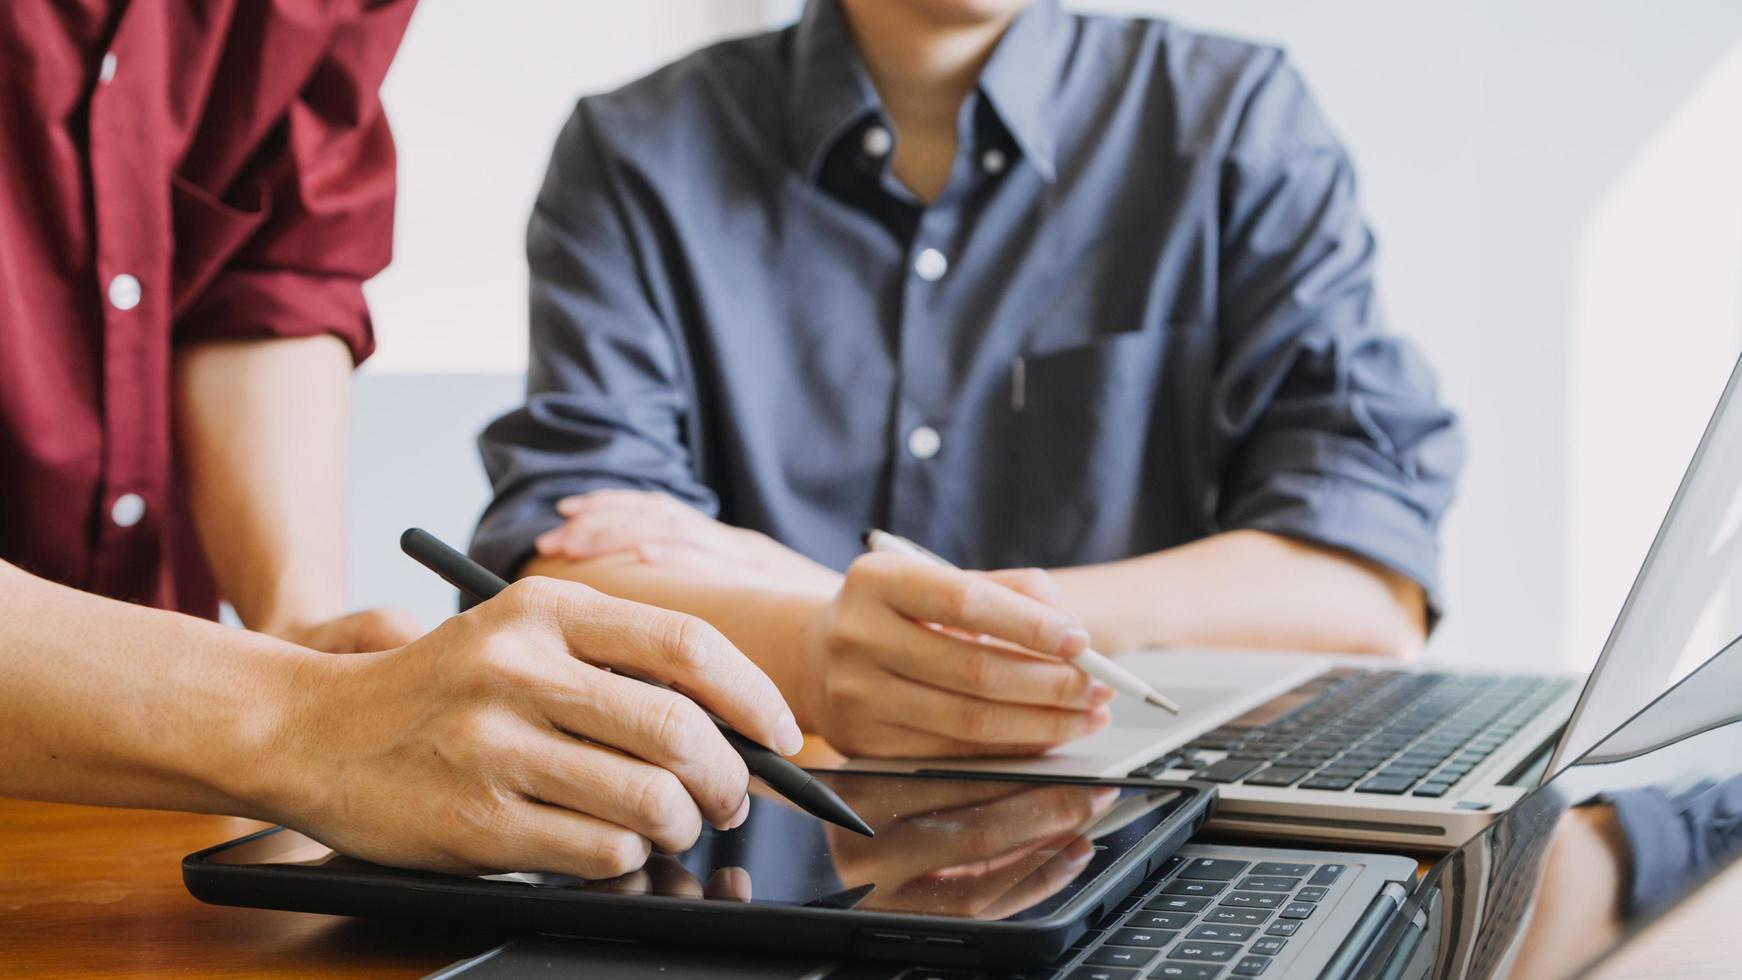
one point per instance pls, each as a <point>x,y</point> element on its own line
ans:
<point>191,197</point>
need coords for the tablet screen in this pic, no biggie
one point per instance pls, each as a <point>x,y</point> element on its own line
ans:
<point>969,848</point>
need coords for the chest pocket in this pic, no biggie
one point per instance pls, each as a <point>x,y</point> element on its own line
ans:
<point>1104,432</point>
<point>208,233</point>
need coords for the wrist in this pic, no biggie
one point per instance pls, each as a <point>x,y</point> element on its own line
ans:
<point>272,765</point>
<point>804,622</point>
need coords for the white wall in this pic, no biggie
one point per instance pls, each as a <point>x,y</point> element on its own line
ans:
<point>476,97</point>
<point>1553,184</point>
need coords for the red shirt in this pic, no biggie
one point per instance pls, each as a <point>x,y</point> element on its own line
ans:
<point>170,171</point>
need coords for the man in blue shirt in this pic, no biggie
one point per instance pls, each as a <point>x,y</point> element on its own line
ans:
<point>1086,294</point>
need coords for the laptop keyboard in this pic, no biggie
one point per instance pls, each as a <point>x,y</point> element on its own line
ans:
<point>1196,918</point>
<point>1369,731</point>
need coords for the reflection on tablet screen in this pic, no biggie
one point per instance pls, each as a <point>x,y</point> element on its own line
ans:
<point>964,848</point>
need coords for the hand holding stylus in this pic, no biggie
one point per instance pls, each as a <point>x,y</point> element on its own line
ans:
<point>811,794</point>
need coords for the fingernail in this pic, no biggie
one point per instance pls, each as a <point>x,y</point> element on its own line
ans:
<point>742,815</point>
<point>1100,693</point>
<point>1072,641</point>
<point>787,738</point>
<point>545,543</point>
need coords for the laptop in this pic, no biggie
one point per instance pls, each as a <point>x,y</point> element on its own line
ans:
<point>1423,755</point>
<point>1546,892</point>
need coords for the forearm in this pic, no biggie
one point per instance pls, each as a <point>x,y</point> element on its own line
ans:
<point>262,426</point>
<point>109,703</point>
<point>1247,589</point>
<point>771,622</point>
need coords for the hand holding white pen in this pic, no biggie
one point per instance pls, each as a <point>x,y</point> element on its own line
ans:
<point>1089,662</point>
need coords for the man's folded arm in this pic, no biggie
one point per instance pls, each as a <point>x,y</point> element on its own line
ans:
<point>1338,457</point>
<point>609,397</point>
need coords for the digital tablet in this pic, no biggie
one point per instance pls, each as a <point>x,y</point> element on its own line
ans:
<point>964,870</point>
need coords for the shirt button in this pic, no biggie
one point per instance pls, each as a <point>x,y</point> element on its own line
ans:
<point>877,142</point>
<point>993,161</point>
<point>129,509</point>
<point>124,292</point>
<point>924,442</point>
<point>931,265</point>
<point>106,71</point>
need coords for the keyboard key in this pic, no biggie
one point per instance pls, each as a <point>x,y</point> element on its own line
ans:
<point>1251,966</point>
<point>1213,869</point>
<point>1258,883</point>
<point>1277,776</point>
<point>1281,869</point>
<point>1432,789</point>
<point>1269,946</point>
<point>1148,938</point>
<point>1283,927</point>
<point>1136,959</point>
<point>1297,910</point>
<point>1251,900</point>
<point>1230,770</point>
<point>1183,886</point>
<point>1159,920</point>
<point>1331,782</point>
<point>1399,771</point>
<point>1390,787</point>
<point>1220,738</point>
<point>1160,874</point>
<point>1223,934</point>
<point>1206,952</point>
<point>1176,903</point>
<point>1100,973</point>
<point>1311,894</point>
<point>1238,917</point>
<point>1155,767</point>
<point>1186,971</point>
<point>1327,874</point>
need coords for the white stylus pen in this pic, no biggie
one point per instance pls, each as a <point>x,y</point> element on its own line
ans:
<point>1089,662</point>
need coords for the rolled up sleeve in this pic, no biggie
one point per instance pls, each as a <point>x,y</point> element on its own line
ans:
<point>1336,433</point>
<point>325,198</point>
<point>609,398</point>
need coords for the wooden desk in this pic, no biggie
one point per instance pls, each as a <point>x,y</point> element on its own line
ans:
<point>93,892</point>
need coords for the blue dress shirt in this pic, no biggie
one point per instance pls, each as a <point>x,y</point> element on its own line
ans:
<point>1141,311</point>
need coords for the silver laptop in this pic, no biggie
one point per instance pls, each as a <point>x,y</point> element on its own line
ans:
<point>1421,755</point>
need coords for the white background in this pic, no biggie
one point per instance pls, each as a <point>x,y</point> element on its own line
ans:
<point>1555,186</point>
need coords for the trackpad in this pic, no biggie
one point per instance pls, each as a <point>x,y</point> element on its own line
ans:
<point>1208,685</point>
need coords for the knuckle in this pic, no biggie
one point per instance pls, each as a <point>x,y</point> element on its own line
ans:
<point>659,802</point>
<point>961,599</point>
<point>1034,581</point>
<point>678,728</point>
<point>978,669</point>
<point>1069,686</point>
<point>690,642</point>
<point>531,596</point>
<point>619,852</point>
<point>974,721</point>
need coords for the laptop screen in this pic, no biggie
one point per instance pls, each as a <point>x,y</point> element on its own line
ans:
<point>1686,600</point>
<point>1651,812</point>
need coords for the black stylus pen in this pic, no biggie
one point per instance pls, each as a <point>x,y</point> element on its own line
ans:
<point>802,788</point>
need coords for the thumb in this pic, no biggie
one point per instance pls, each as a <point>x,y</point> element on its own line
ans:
<point>1032,582</point>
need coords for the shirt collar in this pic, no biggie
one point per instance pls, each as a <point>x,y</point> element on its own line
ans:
<point>831,91</point>
<point>1020,78</point>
